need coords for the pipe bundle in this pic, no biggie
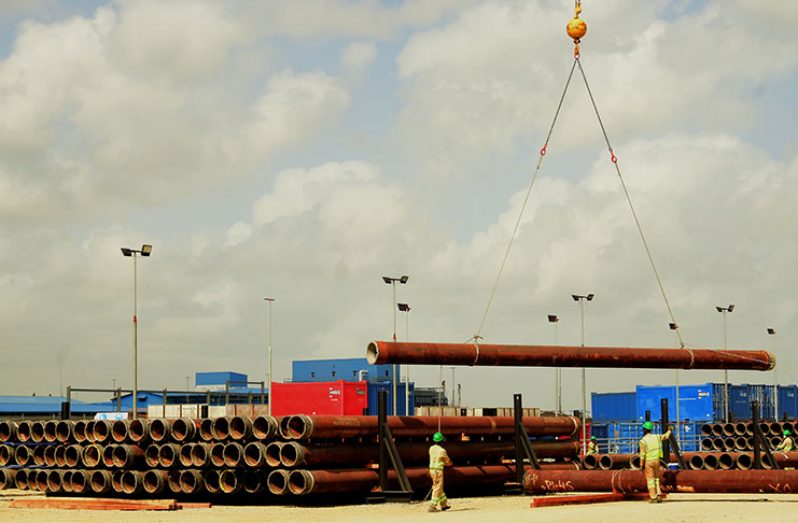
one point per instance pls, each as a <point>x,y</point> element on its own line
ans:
<point>739,436</point>
<point>299,455</point>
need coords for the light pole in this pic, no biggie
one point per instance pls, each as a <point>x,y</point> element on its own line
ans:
<point>772,332</point>
<point>392,282</point>
<point>404,307</point>
<point>725,311</point>
<point>581,299</point>
<point>674,327</point>
<point>558,371</point>
<point>270,301</point>
<point>454,404</point>
<point>145,251</point>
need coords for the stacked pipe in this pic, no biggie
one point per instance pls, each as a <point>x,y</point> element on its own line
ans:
<point>239,456</point>
<point>739,436</point>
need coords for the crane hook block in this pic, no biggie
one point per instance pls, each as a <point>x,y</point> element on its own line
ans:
<point>576,28</point>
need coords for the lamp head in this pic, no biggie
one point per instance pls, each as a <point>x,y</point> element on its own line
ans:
<point>771,331</point>
<point>146,249</point>
<point>126,252</point>
<point>404,279</point>
<point>553,318</point>
<point>386,279</point>
<point>730,308</point>
<point>589,297</point>
<point>575,297</point>
<point>404,307</point>
<point>673,326</point>
<point>719,309</point>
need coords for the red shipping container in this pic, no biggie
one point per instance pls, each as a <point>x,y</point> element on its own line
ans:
<point>334,398</point>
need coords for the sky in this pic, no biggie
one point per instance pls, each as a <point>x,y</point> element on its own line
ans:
<point>302,150</point>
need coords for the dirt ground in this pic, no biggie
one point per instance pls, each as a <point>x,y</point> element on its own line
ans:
<point>692,508</point>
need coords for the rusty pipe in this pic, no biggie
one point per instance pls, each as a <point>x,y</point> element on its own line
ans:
<point>706,430</point>
<point>107,456</point>
<point>8,431</point>
<point>79,431</point>
<point>21,479</point>
<point>100,481</point>
<point>54,477</point>
<point>740,428</point>
<point>253,481</point>
<point>151,456</point>
<point>221,428</point>
<point>173,481</point>
<point>40,457</point>
<point>303,482</point>
<point>119,430</point>
<point>92,456</point>
<point>471,354</point>
<point>201,455</point>
<point>66,480</point>
<point>63,431</point>
<point>741,443</point>
<point>79,481</point>
<point>23,455</point>
<point>240,428</point>
<point>229,481</point>
<point>211,479</point>
<point>24,431</point>
<point>160,429</point>
<point>277,482</point>
<point>265,427</point>
<point>233,454</point>
<point>191,482</point>
<point>60,456</point>
<point>590,461</point>
<point>206,429</point>
<point>745,460</point>
<point>169,455</point>
<point>41,480</point>
<point>154,481</point>
<point>50,427</point>
<point>132,482</point>
<point>184,430</point>
<point>116,480</point>
<point>273,453</point>
<point>255,454</point>
<point>707,444</point>
<point>304,427</point>
<point>102,430</point>
<point>138,431</point>
<point>217,454</point>
<point>73,456</point>
<point>37,431</point>
<point>6,455</point>
<point>7,478</point>
<point>127,456</point>
<point>693,481</point>
<point>186,456</point>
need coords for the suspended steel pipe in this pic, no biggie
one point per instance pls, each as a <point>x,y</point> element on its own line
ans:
<point>471,354</point>
<point>304,427</point>
<point>693,481</point>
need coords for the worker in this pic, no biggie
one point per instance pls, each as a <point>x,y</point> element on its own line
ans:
<point>438,458</point>
<point>650,454</point>
<point>787,444</point>
<point>592,447</point>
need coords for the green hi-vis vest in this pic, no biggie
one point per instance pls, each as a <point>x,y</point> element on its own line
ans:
<point>651,446</point>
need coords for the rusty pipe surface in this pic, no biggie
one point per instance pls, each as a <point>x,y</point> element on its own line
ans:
<point>253,481</point>
<point>154,481</point>
<point>304,427</point>
<point>92,456</point>
<point>54,480</point>
<point>21,480</point>
<point>101,430</point>
<point>277,482</point>
<point>184,430</point>
<point>138,430</point>
<point>119,430</point>
<point>73,456</point>
<point>100,481</point>
<point>295,454</point>
<point>303,482</point>
<point>151,456</point>
<point>484,354</point>
<point>693,481</point>
<point>186,456</point>
<point>169,455</point>
<point>240,428</point>
<point>23,431</point>
<point>160,429</point>
<point>63,431</point>
<point>230,481</point>
<point>205,429</point>
<point>220,428</point>
<point>265,427</point>
<point>23,455</point>
<point>255,454</point>
<point>79,431</point>
<point>8,431</point>
<point>200,455</point>
<point>191,481</point>
<point>79,481</point>
<point>273,453</point>
<point>745,460</point>
<point>7,478</point>
<point>6,455</point>
<point>50,431</point>
<point>132,482</point>
<point>211,479</point>
<point>233,454</point>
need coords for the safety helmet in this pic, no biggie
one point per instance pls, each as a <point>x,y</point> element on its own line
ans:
<point>592,438</point>
<point>648,425</point>
<point>437,437</point>
<point>787,432</point>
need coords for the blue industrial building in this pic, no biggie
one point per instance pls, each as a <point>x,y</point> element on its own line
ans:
<point>347,369</point>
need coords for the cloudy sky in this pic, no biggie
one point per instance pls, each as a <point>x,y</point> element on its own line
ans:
<point>304,149</point>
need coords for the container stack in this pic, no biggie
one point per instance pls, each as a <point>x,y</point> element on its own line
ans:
<point>231,457</point>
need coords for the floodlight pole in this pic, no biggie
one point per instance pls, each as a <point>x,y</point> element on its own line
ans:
<point>581,299</point>
<point>392,281</point>
<point>725,311</point>
<point>145,251</point>
<point>771,332</point>
<point>271,375</point>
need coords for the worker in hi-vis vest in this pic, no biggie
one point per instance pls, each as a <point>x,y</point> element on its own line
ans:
<point>592,447</point>
<point>787,444</point>
<point>650,454</point>
<point>438,458</point>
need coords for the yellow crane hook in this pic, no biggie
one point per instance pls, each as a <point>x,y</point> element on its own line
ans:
<point>576,28</point>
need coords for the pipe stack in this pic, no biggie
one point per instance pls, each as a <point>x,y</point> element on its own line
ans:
<point>302,455</point>
<point>739,436</point>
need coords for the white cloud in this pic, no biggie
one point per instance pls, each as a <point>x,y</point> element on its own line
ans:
<point>358,56</point>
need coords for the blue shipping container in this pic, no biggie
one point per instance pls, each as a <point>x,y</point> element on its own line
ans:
<point>695,402</point>
<point>375,388</point>
<point>613,406</point>
<point>347,369</point>
<point>788,401</point>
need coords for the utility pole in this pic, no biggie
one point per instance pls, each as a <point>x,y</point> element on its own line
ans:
<point>725,311</point>
<point>581,299</point>
<point>392,282</point>
<point>553,319</point>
